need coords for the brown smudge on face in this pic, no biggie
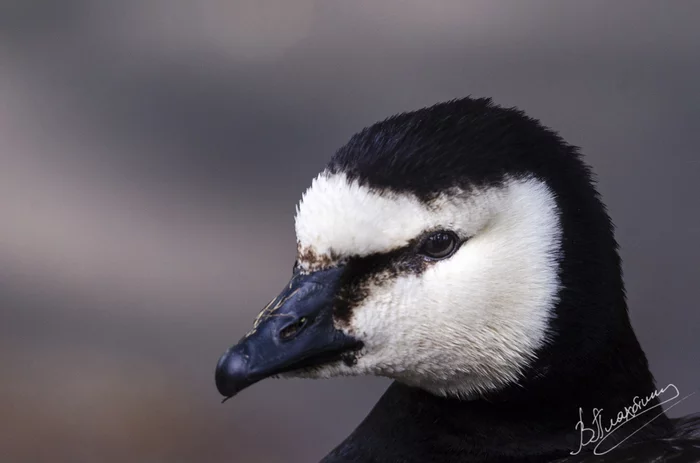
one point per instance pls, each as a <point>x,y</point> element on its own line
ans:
<point>310,261</point>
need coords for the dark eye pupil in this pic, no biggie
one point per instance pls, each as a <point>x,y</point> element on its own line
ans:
<point>439,245</point>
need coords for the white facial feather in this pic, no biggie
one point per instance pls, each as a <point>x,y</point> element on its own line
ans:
<point>467,324</point>
<point>338,217</point>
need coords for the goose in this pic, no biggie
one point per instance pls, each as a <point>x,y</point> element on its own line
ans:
<point>463,251</point>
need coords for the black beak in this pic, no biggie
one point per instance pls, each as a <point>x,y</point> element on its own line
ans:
<point>293,332</point>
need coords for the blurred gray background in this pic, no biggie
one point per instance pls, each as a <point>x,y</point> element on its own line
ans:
<point>152,152</point>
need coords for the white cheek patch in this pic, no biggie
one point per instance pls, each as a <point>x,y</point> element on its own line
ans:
<point>341,218</point>
<point>470,323</point>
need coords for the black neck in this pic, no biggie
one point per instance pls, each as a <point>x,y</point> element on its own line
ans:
<point>533,422</point>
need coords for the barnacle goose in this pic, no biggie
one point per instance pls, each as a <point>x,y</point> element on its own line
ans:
<point>463,251</point>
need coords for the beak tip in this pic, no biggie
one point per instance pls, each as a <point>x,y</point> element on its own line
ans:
<point>232,372</point>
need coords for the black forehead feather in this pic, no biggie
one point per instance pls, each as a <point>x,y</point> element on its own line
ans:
<point>466,142</point>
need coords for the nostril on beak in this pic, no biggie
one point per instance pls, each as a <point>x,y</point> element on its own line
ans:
<point>291,331</point>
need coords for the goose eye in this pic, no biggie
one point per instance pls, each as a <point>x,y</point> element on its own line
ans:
<point>439,245</point>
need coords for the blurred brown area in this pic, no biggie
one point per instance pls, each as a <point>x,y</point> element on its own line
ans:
<point>152,152</point>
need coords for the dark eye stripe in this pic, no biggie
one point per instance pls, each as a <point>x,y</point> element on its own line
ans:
<point>361,272</point>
